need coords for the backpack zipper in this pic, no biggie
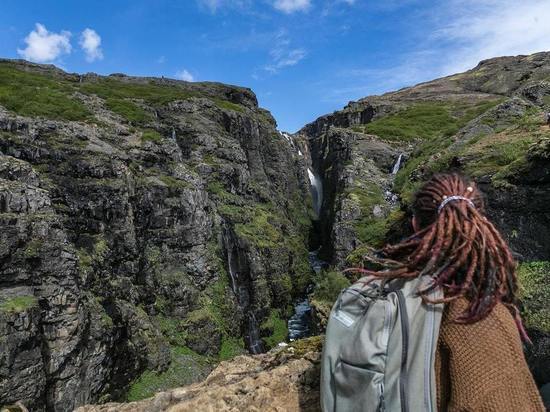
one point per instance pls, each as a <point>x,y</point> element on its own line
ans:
<point>403,376</point>
<point>430,320</point>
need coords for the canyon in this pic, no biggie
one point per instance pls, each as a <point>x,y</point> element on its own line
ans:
<point>153,228</point>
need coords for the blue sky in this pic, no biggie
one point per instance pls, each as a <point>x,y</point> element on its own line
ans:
<point>303,58</point>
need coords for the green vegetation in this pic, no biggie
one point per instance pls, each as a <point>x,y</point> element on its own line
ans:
<point>33,94</point>
<point>231,347</point>
<point>276,327</point>
<point>224,104</point>
<point>30,93</point>
<point>185,368</point>
<point>328,286</point>
<point>150,135</point>
<point>18,304</point>
<point>128,110</point>
<point>534,278</point>
<point>500,155</point>
<point>98,253</point>
<point>426,120</point>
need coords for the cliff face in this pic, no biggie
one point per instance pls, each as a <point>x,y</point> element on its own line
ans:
<point>485,123</point>
<point>489,123</point>
<point>138,217</point>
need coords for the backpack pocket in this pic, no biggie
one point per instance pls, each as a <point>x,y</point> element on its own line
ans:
<point>358,389</point>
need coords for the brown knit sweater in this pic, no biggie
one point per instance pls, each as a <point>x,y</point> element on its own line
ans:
<point>480,367</point>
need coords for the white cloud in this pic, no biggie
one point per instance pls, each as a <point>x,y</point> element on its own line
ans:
<point>184,75</point>
<point>291,6</point>
<point>457,35</point>
<point>90,42</point>
<point>490,28</point>
<point>44,46</point>
<point>283,55</point>
<point>214,5</point>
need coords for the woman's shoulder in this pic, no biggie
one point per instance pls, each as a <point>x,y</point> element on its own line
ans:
<point>499,323</point>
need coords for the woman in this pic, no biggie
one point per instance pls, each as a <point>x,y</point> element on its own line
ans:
<point>480,364</point>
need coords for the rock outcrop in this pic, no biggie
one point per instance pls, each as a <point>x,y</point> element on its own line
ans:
<point>488,123</point>
<point>283,380</point>
<point>138,216</point>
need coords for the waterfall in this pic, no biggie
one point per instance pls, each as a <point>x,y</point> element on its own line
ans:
<point>253,338</point>
<point>397,164</point>
<point>173,133</point>
<point>316,193</point>
<point>240,284</point>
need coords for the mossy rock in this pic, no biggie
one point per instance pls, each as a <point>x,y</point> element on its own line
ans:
<point>302,347</point>
<point>534,278</point>
<point>186,367</point>
<point>276,329</point>
<point>18,304</point>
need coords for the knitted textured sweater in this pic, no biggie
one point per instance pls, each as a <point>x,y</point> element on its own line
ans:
<point>481,367</point>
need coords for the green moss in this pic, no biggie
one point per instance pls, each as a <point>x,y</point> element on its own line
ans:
<point>128,110</point>
<point>307,345</point>
<point>276,327</point>
<point>534,278</point>
<point>150,92</point>
<point>186,367</point>
<point>18,304</point>
<point>34,94</point>
<point>427,120</point>
<point>150,135</point>
<point>328,286</point>
<point>172,182</point>
<point>231,347</point>
<point>260,229</point>
<point>32,249</point>
<point>224,104</point>
<point>369,229</point>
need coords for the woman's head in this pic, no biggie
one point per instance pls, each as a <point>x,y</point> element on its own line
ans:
<point>456,245</point>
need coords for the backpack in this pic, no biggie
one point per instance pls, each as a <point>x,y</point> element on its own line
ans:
<point>379,350</point>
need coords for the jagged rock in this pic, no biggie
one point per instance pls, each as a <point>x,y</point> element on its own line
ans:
<point>284,380</point>
<point>112,217</point>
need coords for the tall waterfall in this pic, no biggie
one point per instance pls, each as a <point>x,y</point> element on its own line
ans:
<point>397,164</point>
<point>241,288</point>
<point>316,192</point>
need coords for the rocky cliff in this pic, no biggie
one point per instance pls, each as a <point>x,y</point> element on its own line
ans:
<point>145,224</point>
<point>491,123</point>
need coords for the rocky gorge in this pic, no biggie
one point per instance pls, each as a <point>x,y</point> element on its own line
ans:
<point>152,228</point>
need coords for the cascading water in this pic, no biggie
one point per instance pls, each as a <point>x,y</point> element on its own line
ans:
<point>316,193</point>
<point>299,323</point>
<point>397,165</point>
<point>241,291</point>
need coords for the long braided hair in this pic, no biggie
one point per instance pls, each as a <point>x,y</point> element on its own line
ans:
<point>458,246</point>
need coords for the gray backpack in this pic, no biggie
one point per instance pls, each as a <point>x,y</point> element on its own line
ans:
<point>379,349</point>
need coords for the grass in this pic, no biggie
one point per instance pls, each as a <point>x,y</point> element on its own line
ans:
<point>186,367</point>
<point>128,110</point>
<point>18,304</point>
<point>33,94</point>
<point>328,286</point>
<point>427,120</point>
<point>231,347</point>
<point>224,104</point>
<point>499,155</point>
<point>150,135</point>
<point>276,326</point>
<point>534,278</point>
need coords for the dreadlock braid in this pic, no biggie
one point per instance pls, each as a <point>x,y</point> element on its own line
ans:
<point>456,244</point>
